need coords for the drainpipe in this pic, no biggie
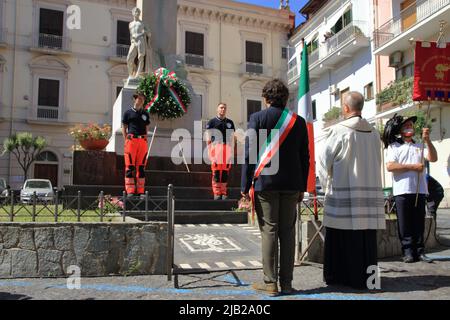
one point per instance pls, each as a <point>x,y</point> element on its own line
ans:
<point>220,58</point>
<point>13,87</point>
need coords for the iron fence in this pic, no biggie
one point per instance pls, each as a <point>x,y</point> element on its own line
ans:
<point>61,207</point>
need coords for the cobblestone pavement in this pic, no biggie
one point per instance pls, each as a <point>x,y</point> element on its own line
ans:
<point>398,281</point>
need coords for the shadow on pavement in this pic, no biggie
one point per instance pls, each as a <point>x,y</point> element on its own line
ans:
<point>9,296</point>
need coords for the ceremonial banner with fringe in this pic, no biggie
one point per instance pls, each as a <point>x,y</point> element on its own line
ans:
<point>432,72</point>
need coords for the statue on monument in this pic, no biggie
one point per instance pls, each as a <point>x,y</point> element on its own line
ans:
<point>140,40</point>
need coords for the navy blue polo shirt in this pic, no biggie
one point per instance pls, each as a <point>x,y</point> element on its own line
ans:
<point>137,121</point>
<point>224,126</point>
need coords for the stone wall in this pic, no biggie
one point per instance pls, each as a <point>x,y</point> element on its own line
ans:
<point>98,249</point>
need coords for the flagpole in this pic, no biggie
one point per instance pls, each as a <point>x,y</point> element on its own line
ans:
<point>151,144</point>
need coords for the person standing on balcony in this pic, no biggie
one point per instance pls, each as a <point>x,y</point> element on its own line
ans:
<point>404,160</point>
<point>221,141</point>
<point>135,125</point>
<point>349,170</point>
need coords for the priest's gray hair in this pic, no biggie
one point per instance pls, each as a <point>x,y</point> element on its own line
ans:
<point>354,100</point>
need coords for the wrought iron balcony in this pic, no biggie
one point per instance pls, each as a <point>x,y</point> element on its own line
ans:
<point>407,19</point>
<point>51,42</point>
<point>198,61</point>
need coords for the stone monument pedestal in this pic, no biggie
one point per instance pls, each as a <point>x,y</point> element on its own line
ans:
<point>163,146</point>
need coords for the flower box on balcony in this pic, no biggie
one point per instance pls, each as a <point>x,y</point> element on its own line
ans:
<point>395,94</point>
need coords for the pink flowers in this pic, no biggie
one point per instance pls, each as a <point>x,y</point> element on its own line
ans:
<point>91,131</point>
<point>110,204</point>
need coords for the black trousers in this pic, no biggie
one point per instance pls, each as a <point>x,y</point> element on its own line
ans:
<point>411,223</point>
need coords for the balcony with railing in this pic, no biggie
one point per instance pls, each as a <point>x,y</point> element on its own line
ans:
<point>420,20</point>
<point>119,52</point>
<point>50,43</point>
<point>47,113</point>
<point>3,34</point>
<point>339,47</point>
<point>251,69</point>
<point>336,49</point>
<point>198,62</point>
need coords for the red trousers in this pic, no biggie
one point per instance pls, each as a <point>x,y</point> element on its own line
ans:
<point>135,160</point>
<point>220,155</point>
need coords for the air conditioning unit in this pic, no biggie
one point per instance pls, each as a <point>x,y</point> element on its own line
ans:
<point>395,59</point>
<point>334,89</point>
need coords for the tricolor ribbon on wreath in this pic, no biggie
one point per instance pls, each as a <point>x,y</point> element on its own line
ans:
<point>167,79</point>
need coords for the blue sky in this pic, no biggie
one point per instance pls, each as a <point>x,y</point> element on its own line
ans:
<point>295,6</point>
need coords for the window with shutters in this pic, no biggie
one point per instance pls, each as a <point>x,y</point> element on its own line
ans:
<point>123,38</point>
<point>252,107</point>
<point>254,57</point>
<point>48,99</point>
<point>51,29</point>
<point>195,48</point>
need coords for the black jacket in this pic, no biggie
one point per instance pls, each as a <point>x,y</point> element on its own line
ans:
<point>293,155</point>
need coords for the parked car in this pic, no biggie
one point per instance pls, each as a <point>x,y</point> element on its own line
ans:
<point>43,189</point>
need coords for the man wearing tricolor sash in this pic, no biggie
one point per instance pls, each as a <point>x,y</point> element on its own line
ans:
<point>279,141</point>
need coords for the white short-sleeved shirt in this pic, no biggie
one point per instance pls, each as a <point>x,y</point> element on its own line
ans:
<point>406,182</point>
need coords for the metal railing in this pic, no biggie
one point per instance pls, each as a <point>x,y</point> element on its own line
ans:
<point>51,42</point>
<point>293,74</point>
<point>408,18</point>
<point>29,208</point>
<point>61,207</point>
<point>349,33</point>
<point>120,51</point>
<point>49,113</point>
<point>313,57</point>
<point>200,61</point>
<point>3,34</point>
<point>255,69</point>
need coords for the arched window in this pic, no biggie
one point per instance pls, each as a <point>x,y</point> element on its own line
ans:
<point>47,156</point>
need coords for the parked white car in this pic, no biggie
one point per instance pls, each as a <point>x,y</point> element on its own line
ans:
<point>43,189</point>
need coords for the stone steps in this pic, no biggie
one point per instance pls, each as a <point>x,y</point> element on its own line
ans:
<point>196,217</point>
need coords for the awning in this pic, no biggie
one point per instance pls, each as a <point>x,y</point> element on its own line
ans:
<point>331,21</point>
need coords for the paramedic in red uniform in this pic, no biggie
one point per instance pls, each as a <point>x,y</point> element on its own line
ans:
<point>220,137</point>
<point>135,125</point>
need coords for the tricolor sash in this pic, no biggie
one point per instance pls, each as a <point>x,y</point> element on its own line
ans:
<point>271,146</point>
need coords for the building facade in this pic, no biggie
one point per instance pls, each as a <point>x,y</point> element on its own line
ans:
<point>398,24</point>
<point>231,50</point>
<point>54,75</point>
<point>339,36</point>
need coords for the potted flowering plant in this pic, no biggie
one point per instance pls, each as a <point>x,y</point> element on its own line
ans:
<point>92,136</point>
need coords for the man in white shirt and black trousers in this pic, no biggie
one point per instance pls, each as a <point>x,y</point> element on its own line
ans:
<point>404,160</point>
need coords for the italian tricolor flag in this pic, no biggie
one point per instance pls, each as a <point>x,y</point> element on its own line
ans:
<point>305,110</point>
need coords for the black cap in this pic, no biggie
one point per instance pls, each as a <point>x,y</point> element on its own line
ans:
<point>413,119</point>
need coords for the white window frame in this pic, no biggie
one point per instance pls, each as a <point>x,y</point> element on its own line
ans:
<point>52,5</point>
<point>201,85</point>
<point>189,26</point>
<point>54,68</point>
<point>117,15</point>
<point>254,37</point>
<point>250,90</point>
<point>61,97</point>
